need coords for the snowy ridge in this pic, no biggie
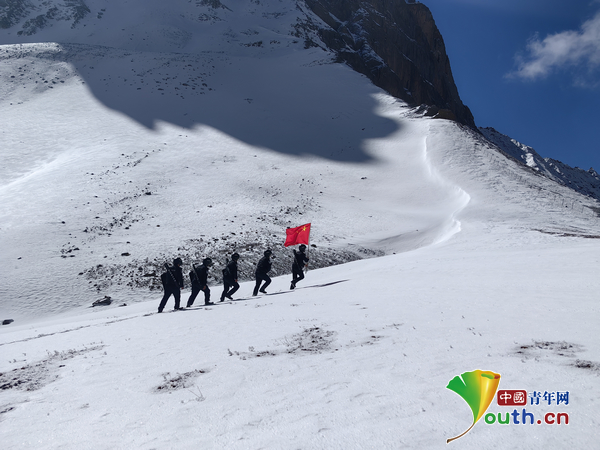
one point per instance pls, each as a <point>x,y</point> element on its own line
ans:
<point>585,182</point>
<point>452,225</point>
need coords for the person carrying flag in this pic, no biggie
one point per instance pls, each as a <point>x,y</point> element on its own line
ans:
<point>300,261</point>
<point>295,236</point>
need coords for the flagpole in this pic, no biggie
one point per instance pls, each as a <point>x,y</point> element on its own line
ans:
<point>308,250</point>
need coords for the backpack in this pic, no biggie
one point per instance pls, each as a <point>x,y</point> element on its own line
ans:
<point>164,278</point>
<point>167,278</point>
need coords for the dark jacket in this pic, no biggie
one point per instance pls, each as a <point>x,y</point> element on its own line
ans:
<point>300,259</point>
<point>199,277</point>
<point>172,278</point>
<point>230,272</point>
<point>264,266</point>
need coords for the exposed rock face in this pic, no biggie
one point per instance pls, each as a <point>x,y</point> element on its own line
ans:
<point>398,46</point>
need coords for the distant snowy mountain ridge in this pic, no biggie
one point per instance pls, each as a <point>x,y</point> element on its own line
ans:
<point>586,182</point>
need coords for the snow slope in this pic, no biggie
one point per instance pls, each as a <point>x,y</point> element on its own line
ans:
<point>357,357</point>
<point>237,163</point>
<point>117,159</point>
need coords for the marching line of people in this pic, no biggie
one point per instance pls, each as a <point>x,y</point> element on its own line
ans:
<point>172,279</point>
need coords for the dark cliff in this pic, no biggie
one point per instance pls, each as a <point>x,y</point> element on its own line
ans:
<point>398,46</point>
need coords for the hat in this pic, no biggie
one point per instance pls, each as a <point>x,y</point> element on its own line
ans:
<point>177,262</point>
<point>268,252</point>
<point>235,256</point>
<point>207,262</point>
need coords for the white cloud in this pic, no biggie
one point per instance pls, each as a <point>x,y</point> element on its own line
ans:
<point>576,49</point>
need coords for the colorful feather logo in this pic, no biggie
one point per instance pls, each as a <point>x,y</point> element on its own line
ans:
<point>477,388</point>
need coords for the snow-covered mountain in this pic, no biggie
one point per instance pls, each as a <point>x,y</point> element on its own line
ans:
<point>89,94</point>
<point>395,44</point>
<point>138,132</point>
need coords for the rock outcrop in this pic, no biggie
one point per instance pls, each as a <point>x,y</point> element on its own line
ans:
<point>398,46</point>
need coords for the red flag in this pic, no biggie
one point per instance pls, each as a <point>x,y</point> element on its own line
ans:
<point>298,235</point>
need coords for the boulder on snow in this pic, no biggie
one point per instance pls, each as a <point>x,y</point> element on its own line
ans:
<point>7,321</point>
<point>103,301</point>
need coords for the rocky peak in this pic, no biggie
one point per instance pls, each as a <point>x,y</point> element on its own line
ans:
<point>398,46</point>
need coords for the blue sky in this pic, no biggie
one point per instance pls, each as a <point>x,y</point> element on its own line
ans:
<point>530,69</point>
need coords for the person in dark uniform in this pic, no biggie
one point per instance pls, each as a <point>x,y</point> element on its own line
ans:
<point>230,278</point>
<point>172,281</point>
<point>199,279</point>
<point>262,269</point>
<point>300,261</point>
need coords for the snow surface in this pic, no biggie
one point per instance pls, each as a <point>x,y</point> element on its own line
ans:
<point>485,264</point>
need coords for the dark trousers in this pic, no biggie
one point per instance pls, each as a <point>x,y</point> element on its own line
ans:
<point>230,287</point>
<point>168,291</point>
<point>260,278</point>
<point>195,291</point>
<point>297,274</point>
